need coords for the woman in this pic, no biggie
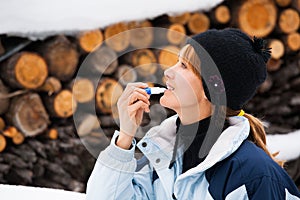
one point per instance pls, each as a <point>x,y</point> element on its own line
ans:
<point>211,149</point>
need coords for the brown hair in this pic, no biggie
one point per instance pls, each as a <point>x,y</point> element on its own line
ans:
<point>257,131</point>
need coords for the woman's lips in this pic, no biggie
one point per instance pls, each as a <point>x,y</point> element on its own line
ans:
<point>169,87</point>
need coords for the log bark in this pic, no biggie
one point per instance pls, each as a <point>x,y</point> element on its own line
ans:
<point>2,124</point>
<point>168,56</point>
<point>255,17</point>
<point>4,102</point>
<point>198,23</point>
<point>141,34</point>
<point>102,61</point>
<point>180,19</point>
<point>18,138</point>
<point>125,74</point>
<point>283,3</point>
<point>107,95</point>
<point>292,42</point>
<point>220,15</point>
<point>27,114</point>
<point>25,70</point>
<point>83,89</point>
<point>90,40</point>
<point>273,64</point>
<point>62,58</point>
<point>2,142</point>
<point>289,21</point>
<point>2,50</point>
<point>61,104</point>
<point>296,5</point>
<point>51,85</point>
<point>117,36</point>
<point>176,34</point>
<point>277,48</point>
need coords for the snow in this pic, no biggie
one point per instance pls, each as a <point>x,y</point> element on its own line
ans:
<point>288,145</point>
<point>14,192</point>
<point>38,19</point>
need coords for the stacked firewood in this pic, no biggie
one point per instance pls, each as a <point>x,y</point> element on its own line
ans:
<point>58,96</point>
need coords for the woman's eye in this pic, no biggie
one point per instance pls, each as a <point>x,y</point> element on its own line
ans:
<point>183,65</point>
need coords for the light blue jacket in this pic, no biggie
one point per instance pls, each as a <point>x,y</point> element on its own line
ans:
<point>118,175</point>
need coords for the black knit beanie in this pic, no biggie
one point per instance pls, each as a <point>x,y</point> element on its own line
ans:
<point>235,67</point>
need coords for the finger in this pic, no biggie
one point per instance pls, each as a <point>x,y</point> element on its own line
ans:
<point>138,105</point>
<point>135,86</point>
<point>135,96</point>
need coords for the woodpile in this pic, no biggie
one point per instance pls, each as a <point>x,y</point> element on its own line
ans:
<point>45,84</point>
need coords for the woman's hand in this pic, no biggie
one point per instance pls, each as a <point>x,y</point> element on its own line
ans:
<point>131,105</point>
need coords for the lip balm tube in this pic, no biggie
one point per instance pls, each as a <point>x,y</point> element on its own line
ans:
<point>154,90</point>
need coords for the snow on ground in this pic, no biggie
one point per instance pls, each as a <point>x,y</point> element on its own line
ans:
<point>288,145</point>
<point>12,192</point>
<point>38,19</point>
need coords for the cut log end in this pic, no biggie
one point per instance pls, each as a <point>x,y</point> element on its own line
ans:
<point>52,134</point>
<point>222,14</point>
<point>10,132</point>
<point>90,40</point>
<point>2,124</point>
<point>144,62</point>
<point>107,95</point>
<point>64,104</point>
<point>168,56</point>
<point>30,70</point>
<point>293,41</point>
<point>198,23</point>
<point>51,85</point>
<point>141,34</point>
<point>126,74</point>
<point>273,64</point>
<point>257,17</point>
<point>180,19</point>
<point>2,142</point>
<point>117,37</point>
<point>289,21</point>
<point>83,90</point>
<point>283,3</point>
<point>277,48</point>
<point>176,34</point>
<point>18,138</point>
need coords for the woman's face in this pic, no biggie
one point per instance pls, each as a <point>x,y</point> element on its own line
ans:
<point>185,90</point>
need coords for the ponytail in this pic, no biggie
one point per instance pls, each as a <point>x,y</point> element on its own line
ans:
<point>257,133</point>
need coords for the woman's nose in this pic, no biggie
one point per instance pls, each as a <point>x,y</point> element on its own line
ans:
<point>169,73</point>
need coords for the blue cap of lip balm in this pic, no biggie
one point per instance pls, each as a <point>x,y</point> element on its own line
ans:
<point>148,90</point>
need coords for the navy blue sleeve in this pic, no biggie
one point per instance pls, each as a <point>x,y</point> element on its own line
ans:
<point>265,188</point>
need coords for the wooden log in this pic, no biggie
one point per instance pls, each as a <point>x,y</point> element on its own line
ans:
<point>61,104</point>
<point>2,142</point>
<point>296,5</point>
<point>102,61</point>
<point>62,57</point>
<point>141,34</point>
<point>198,23</point>
<point>85,123</point>
<point>19,176</point>
<point>277,48</point>
<point>125,74</point>
<point>266,86</point>
<point>168,56</point>
<point>42,182</point>
<point>25,70</point>
<point>181,18</point>
<point>95,142</point>
<point>2,124</point>
<point>289,21</point>
<point>107,95</point>
<point>10,132</point>
<point>220,15</point>
<point>144,62</point>
<point>83,89</point>
<point>51,85</point>
<point>107,121</point>
<point>25,152</point>
<point>255,17</point>
<point>4,102</point>
<point>27,114</point>
<point>117,37</point>
<point>90,40</point>
<point>2,50</point>
<point>273,64</point>
<point>18,138</point>
<point>176,34</point>
<point>292,42</point>
<point>283,3</point>
<point>38,147</point>
<point>13,160</point>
